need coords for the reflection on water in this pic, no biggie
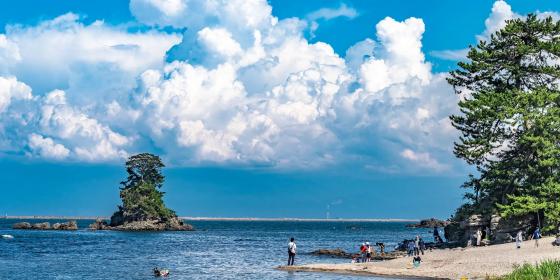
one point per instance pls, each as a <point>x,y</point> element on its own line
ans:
<point>217,250</point>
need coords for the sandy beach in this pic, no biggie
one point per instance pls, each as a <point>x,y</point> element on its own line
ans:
<point>474,262</point>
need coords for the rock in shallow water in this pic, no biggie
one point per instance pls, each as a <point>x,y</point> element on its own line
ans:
<point>41,226</point>
<point>339,253</point>
<point>331,253</point>
<point>429,223</point>
<point>174,224</point>
<point>22,225</point>
<point>70,225</point>
<point>99,224</point>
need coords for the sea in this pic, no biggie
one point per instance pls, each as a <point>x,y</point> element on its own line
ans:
<point>216,250</point>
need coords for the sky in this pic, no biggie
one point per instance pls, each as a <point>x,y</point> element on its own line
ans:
<point>258,109</point>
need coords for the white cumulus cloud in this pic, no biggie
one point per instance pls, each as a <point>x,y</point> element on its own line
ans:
<point>12,89</point>
<point>64,53</point>
<point>240,87</point>
<point>46,147</point>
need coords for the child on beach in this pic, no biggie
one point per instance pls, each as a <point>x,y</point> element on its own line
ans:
<point>356,258</point>
<point>416,261</point>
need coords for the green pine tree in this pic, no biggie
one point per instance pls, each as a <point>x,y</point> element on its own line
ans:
<point>510,121</point>
<point>141,198</point>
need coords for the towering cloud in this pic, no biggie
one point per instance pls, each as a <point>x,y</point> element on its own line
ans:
<point>238,86</point>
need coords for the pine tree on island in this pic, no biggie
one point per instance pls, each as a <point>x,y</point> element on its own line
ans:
<point>142,201</point>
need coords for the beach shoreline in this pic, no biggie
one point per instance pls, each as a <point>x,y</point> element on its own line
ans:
<point>473,262</point>
<point>355,273</point>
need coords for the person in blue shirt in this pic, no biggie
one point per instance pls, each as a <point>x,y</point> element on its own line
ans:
<point>537,236</point>
<point>410,247</point>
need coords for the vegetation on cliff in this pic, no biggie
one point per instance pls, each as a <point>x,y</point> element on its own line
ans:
<point>510,122</point>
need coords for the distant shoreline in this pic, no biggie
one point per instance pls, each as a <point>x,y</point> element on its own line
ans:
<point>215,219</point>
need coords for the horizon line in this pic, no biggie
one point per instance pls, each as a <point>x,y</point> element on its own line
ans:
<point>188,218</point>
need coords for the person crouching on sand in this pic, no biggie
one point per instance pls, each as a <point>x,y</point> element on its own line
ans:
<point>291,251</point>
<point>416,261</point>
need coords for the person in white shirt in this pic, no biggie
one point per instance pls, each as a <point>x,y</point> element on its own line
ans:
<point>369,252</point>
<point>519,239</point>
<point>291,251</point>
<point>478,237</point>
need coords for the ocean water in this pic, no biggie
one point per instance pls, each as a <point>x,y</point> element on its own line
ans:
<point>216,250</point>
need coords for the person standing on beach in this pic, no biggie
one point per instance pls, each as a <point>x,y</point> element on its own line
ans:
<point>519,239</point>
<point>369,252</point>
<point>410,247</point>
<point>478,237</point>
<point>291,251</point>
<point>437,238</point>
<point>537,236</point>
<point>417,246</point>
<point>381,248</point>
<point>363,251</point>
<point>422,245</point>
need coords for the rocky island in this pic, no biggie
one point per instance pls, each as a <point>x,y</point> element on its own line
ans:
<point>142,206</point>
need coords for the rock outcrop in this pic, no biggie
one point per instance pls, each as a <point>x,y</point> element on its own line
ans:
<point>99,224</point>
<point>70,225</point>
<point>501,230</point>
<point>339,253</point>
<point>22,225</point>
<point>429,223</point>
<point>173,224</point>
<point>334,253</point>
<point>41,226</point>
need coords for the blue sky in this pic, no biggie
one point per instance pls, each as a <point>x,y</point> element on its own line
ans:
<point>262,109</point>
